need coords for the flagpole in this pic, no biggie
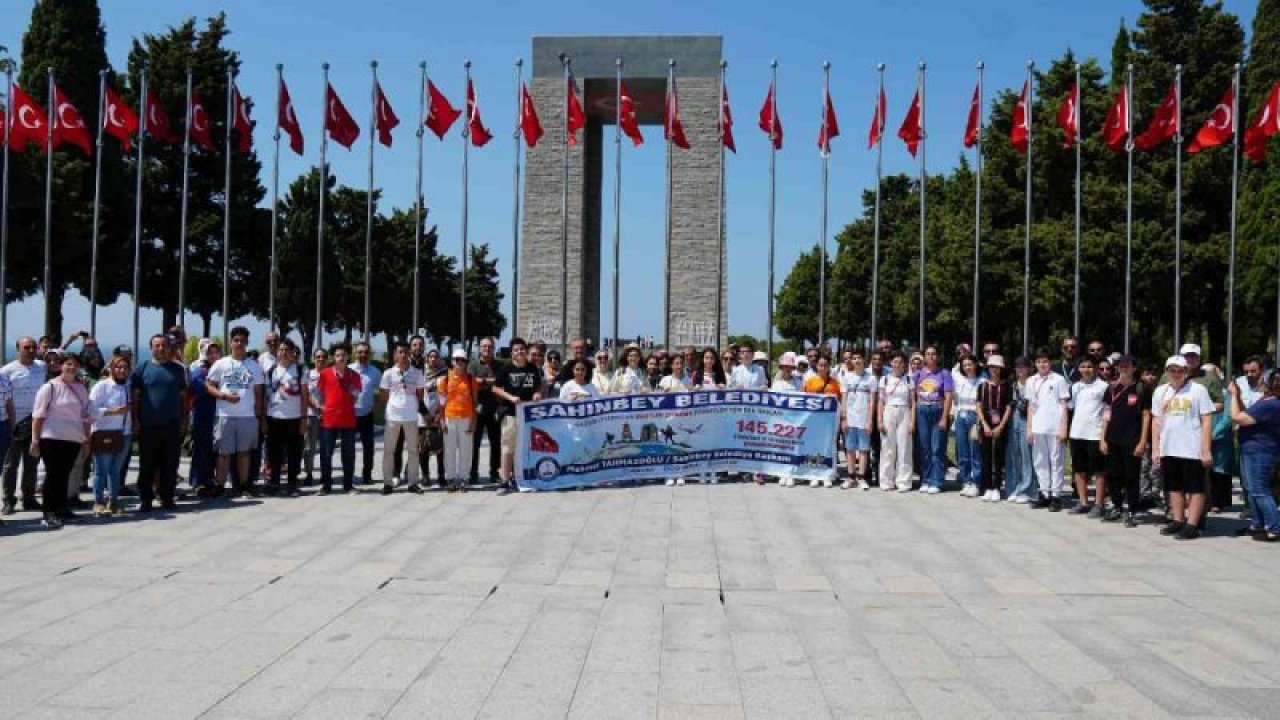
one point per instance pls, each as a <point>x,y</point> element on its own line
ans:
<point>564,214</point>
<point>137,212</point>
<point>773,185</point>
<point>182,231</point>
<point>1128,230</point>
<point>1177,213</point>
<point>324,178</point>
<point>1026,241</point>
<point>1235,181</point>
<point>368,222</point>
<point>275,202</point>
<point>977,211</point>
<point>48,205</point>
<point>666,275</point>
<point>97,200</point>
<point>923,217</point>
<point>724,65</point>
<point>826,157</point>
<point>515,205</point>
<point>466,143</point>
<point>617,198</point>
<point>417,197</point>
<point>1075,303</point>
<point>875,235</point>
<point>226,215</point>
<point>4,217</point>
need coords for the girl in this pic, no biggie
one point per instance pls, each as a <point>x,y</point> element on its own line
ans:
<point>109,407</point>
<point>286,416</point>
<point>630,378</point>
<point>675,383</point>
<point>896,413</point>
<point>964,416</point>
<point>578,388</point>
<point>994,408</point>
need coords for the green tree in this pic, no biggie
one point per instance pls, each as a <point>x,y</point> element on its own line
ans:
<point>1259,230</point>
<point>796,305</point>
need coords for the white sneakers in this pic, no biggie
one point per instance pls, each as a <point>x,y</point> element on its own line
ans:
<point>970,490</point>
<point>671,482</point>
<point>930,490</point>
<point>992,496</point>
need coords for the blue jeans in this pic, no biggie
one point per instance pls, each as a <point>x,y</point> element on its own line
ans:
<point>1018,477</point>
<point>106,473</point>
<point>328,440</point>
<point>933,445</point>
<point>1255,474</point>
<point>202,452</point>
<point>968,452</point>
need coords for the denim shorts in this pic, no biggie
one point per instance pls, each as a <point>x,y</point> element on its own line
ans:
<point>857,440</point>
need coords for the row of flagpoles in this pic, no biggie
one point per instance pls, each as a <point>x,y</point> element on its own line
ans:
<point>25,122</point>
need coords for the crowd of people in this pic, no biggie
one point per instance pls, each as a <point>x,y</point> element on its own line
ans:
<point>1157,441</point>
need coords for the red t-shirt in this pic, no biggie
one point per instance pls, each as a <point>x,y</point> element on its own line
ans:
<point>339,395</point>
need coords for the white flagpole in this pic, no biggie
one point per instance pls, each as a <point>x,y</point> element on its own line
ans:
<point>515,204</point>
<point>1026,242</point>
<point>4,217</point>
<point>368,221</point>
<point>1235,182</point>
<point>977,212</point>
<point>924,178</point>
<point>226,215</point>
<point>773,190</point>
<point>1079,115</point>
<point>48,207</point>
<point>97,200</point>
<point>617,199</point>
<point>826,158</point>
<point>875,234</point>
<point>324,177</point>
<point>666,279</point>
<point>1177,213</point>
<point>182,231</point>
<point>137,213</point>
<point>466,145</point>
<point>1128,232</point>
<point>275,203</point>
<point>417,197</point>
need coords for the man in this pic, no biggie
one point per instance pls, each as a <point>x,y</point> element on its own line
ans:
<point>746,374</point>
<point>268,358</point>
<point>1066,366</point>
<point>401,388</point>
<point>810,366</point>
<point>160,412</point>
<point>879,369</point>
<point>485,370</point>
<point>1047,424</point>
<point>370,379</point>
<point>26,374</point>
<point>1087,404</point>
<point>237,381</point>
<point>1181,446</point>
<point>884,348</point>
<point>989,348</point>
<point>517,383</point>
<point>1096,350</point>
<point>338,386</point>
<point>1251,386</point>
<point>858,385</point>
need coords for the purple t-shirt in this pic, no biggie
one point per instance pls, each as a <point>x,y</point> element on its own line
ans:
<point>932,386</point>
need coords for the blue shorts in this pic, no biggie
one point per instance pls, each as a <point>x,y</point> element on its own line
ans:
<point>857,440</point>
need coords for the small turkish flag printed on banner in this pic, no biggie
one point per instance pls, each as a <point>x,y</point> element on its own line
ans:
<point>726,121</point>
<point>830,127</point>
<point>627,116</point>
<point>1266,124</point>
<point>1115,130</point>
<point>1220,126</point>
<point>287,119</point>
<point>241,123</point>
<point>911,131</point>
<point>440,114</point>
<point>575,119</point>
<point>68,127</point>
<point>342,128</point>
<point>770,123</point>
<point>118,120</point>
<point>475,126</point>
<point>973,124</point>
<point>530,126</point>
<point>1020,133</point>
<point>29,122</point>
<point>385,119</point>
<point>158,125</point>
<point>1069,117</point>
<point>672,129</point>
<point>198,125</point>
<point>1164,124</point>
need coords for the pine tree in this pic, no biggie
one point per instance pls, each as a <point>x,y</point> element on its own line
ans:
<point>1259,229</point>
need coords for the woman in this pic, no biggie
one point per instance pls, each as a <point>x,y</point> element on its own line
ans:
<point>203,412</point>
<point>578,388</point>
<point>60,434</point>
<point>630,378</point>
<point>109,408</point>
<point>964,418</point>
<point>675,383</point>
<point>653,373</point>
<point>786,379</point>
<point>1259,450</point>
<point>603,374</point>
<point>1126,428</point>
<point>1018,479</point>
<point>710,374</point>
<point>822,383</point>
<point>895,417</point>
<point>934,395</point>
<point>1224,452</point>
<point>315,403</point>
<point>995,398</point>
<point>551,377</point>
<point>459,389</point>
<point>286,416</point>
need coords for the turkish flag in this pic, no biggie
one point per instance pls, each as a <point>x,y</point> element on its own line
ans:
<point>575,119</point>
<point>158,125</point>
<point>1163,125</point>
<point>529,123</point>
<point>876,134</point>
<point>973,125</point>
<point>1115,129</point>
<point>769,122</point>
<point>475,126</point>
<point>627,116</point>
<point>241,122</point>
<point>199,128</point>
<point>29,122</point>
<point>440,114</point>
<point>1020,133</point>
<point>67,124</point>
<point>337,121</point>
<point>726,122</point>
<point>830,127</point>
<point>671,128</point>
<point>287,119</point>
<point>1220,126</point>
<point>1264,125</point>
<point>385,119</point>
<point>911,131</point>
<point>118,120</point>
<point>1069,117</point>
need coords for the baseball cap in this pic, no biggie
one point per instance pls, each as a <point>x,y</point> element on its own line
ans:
<point>458,354</point>
<point>760,356</point>
<point>996,361</point>
<point>553,355</point>
<point>788,359</point>
<point>1176,361</point>
<point>1190,349</point>
<point>122,350</point>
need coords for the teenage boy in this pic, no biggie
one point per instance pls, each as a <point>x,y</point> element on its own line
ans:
<point>1182,446</point>
<point>519,382</point>
<point>858,385</point>
<point>1088,403</point>
<point>1047,397</point>
<point>401,388</point>
<point>238,384</point>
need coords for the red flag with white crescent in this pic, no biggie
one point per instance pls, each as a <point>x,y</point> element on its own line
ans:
<point>29,122</point>
<point>726,121</point>
<point>1069,117</point>
<point>342,128</point>
<point>1020,133</point>
<point>829,127</point>
<point>672,129</point>
<point>241,123</point>
<point>769,122</point>
<point>1115,129</point>
<point>575,119</point>
<point>475,126</point>
<point>1164,124</point>
<point>1264,125</point>
<point>68,126</point>
<point>158,125</point>
<point>912,132</point>
<point>1220,126</point>
<point>529,123</point>
<point>199,126</point>
<point>973,124</point>
<point>440,114</point>
<point>627,116</point>
<point>287,118</point>
<point>118,120</point>
<point>384,118</point>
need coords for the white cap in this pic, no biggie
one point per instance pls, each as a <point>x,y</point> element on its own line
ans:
<point>1190,349</point>
<point>1176,361</point>
<point>996,361</point>
<point>760,355</point>
<point>458,354</point>
<point>788,359</point>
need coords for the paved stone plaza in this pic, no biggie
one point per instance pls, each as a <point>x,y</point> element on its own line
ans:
<point>724,601</point>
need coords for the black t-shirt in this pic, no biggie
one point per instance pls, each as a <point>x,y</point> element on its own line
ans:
<point>485,399</point>
<point>1125,405</point>
<point>521,381</point>
<point>993,398</point>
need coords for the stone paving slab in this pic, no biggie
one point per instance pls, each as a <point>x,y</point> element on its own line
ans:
<point>722,601</point>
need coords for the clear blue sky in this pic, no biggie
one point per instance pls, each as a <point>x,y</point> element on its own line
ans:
<point>951,37</point>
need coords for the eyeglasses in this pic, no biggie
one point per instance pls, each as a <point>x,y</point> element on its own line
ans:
<point>1095,350</point>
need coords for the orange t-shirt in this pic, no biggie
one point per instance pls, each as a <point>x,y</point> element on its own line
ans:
<point>459,396</point>
<point>815,384</point>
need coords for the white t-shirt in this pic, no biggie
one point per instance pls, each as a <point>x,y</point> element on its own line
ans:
<point>1088,400</point>
<point>573,392</point>
<point>1046,395</point>
<point>402,388</point>
<point>672,383</point>
<point>965,396</point>
<point>1248,395</point>
<point>237,377</point>
<point>750,377</point>
<point>284,392</point>
<point>792,384</point>
<point>26,381</point>
<point>857,397</point>
<point>897,391</point>
<point>1182,412</point>
<point>627,381</point>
